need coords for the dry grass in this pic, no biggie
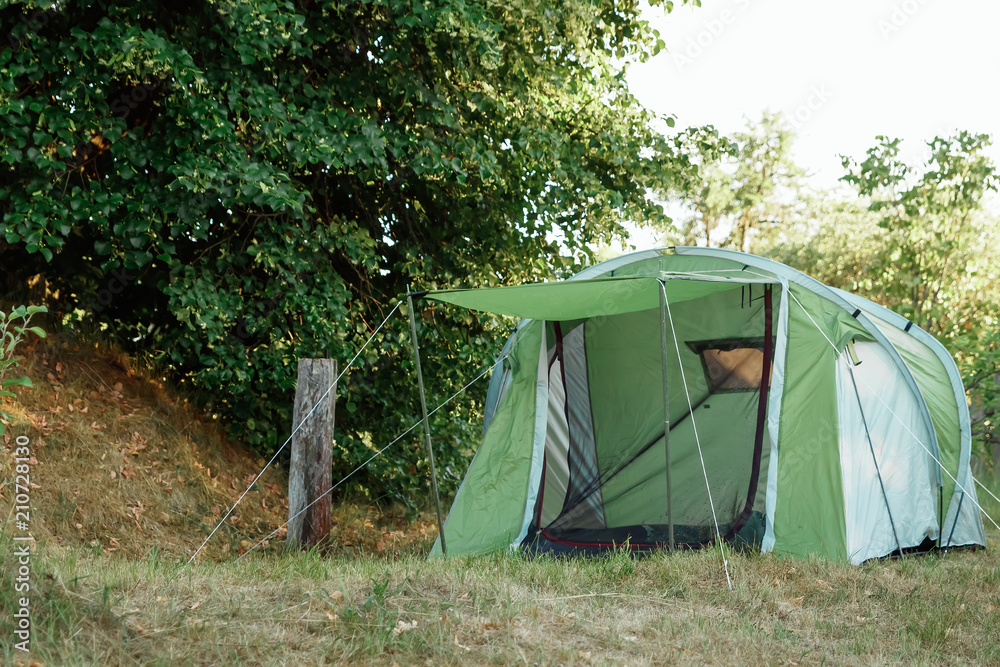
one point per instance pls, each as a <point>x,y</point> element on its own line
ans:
<point>128,477</point>
<point>669,608</point>
<point>121,465</point>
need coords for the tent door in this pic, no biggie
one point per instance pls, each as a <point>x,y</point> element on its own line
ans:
<point>604,474</point>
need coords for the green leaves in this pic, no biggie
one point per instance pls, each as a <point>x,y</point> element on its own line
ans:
<point>741,189</point>
<point>239,185</point>
<point>13,327</point>
<point>918,239</point>
<point>933,220</point>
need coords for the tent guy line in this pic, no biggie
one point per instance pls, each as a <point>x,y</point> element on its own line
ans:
<point>594,302</point>
<point>694,427</point>
<point>294,431</point>
<point>370,459</point>
<point>985,489</point>
<point>917,439</point>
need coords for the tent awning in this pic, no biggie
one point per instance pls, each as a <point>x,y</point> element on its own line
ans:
<point>581,299</point>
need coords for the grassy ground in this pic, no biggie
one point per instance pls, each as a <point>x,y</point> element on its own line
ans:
<point>127,480</point>
<point>120,463</point>
<point>99,608</point>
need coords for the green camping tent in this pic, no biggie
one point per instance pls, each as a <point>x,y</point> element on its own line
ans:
<point>668,397</point>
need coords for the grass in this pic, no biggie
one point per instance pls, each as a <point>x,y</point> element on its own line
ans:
<point>120,463</point>
<point>304,608</point>
<point>130,479</point>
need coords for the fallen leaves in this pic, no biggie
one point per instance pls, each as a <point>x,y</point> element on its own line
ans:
<point>137,511</point>
<point>137,445</point>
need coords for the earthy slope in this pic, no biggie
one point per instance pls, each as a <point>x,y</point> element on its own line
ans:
<point>121,464</point>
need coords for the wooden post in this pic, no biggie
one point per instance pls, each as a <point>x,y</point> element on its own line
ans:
<point>311,468</point>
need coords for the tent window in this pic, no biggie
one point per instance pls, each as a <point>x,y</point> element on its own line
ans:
<point>731,365</point>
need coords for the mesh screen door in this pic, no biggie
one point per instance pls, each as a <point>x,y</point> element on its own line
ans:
<point>604,481</point>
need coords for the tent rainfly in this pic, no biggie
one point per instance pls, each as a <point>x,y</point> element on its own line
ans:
<point>668,398</point>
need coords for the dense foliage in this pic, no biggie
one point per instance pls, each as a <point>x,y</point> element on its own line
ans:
<point>232,185</point>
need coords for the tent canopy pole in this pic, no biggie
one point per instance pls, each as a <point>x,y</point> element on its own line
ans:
<point>666,411</point>
<point>694,427</point>
<point>427,428</point>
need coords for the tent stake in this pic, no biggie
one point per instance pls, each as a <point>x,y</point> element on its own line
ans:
<point>427,428</point>
<point>666,409</point>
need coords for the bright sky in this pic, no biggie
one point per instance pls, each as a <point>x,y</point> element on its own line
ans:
<point>842,72</point>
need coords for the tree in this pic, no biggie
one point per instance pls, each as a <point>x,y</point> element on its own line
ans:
<point>921,241</point>
<point>234,185</point>
<point>746,190</point>
<point>933,221</point>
